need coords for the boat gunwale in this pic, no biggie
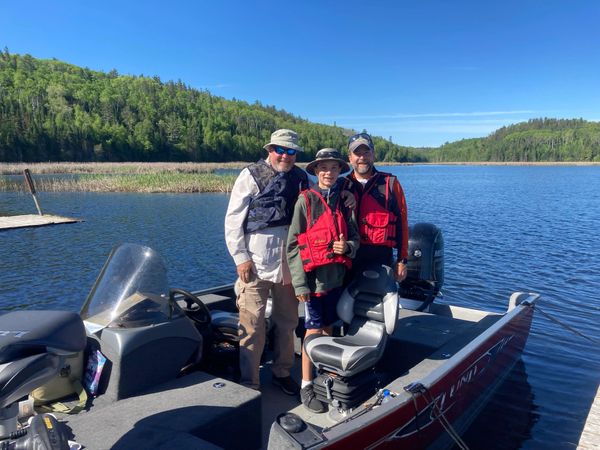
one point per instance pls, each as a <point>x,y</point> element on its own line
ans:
<point>360,419</point>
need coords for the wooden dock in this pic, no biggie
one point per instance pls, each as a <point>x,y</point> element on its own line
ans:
<point>33,220</point>
<point>590,437</point>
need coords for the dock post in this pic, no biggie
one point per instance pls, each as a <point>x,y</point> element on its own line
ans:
<point>31,187</point>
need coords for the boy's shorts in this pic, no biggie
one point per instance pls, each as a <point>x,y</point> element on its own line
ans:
<point>321,310</point>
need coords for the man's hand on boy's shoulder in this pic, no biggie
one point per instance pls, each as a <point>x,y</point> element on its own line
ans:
<point>349,199</point>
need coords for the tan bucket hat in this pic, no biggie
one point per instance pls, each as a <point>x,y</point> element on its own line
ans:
<point>327,154</point>
<point>285,138</point>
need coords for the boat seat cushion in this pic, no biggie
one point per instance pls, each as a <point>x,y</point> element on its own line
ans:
<point>225,325</point>
<point>351,354</point>
<point>370,305</point>
<point>26,333</point>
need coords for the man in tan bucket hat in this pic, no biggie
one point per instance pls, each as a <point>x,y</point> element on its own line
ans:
<point>256,228</point>
<point>284,138</point>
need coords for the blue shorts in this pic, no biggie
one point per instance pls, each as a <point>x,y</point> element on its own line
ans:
<point>321,311</point>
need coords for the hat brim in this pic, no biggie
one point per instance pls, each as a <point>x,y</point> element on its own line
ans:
<point>310,168</point>
<point>285,144</point>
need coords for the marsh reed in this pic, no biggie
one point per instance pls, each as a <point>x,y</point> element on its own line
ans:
<point>123,177</point>
<point>116,168</point>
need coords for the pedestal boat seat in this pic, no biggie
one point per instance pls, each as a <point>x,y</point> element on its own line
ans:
<point>346,364</point>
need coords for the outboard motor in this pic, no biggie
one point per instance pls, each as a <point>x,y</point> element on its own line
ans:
<point>131,318</point>
<point>425,264</point>
<point>33,348</point>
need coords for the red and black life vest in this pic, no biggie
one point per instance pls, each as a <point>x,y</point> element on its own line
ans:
<point>316,243</point>
<point>376,222</point>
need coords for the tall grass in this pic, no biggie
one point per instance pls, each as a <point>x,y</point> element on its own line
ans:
<point>116,168</point>
<point>124,177</point>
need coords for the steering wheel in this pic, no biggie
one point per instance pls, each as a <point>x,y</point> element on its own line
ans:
<point>194,308</point>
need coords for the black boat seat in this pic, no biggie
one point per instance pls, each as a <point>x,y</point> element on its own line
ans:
<point>350,354</point>
<point>370,306</point>
<point>225,325</point>
<point>32,347</point>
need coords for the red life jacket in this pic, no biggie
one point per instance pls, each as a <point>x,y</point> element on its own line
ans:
<point>376,223</point>
<point>316,243</point>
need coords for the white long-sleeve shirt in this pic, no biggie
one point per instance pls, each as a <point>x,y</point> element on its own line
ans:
<point>267,247</point>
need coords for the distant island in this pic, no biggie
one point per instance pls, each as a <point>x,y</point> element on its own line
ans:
<point>54,111</point>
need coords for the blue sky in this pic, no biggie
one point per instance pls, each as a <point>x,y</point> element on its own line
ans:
<point>420,72</point>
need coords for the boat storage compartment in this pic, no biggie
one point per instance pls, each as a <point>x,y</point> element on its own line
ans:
<point>195,411</point>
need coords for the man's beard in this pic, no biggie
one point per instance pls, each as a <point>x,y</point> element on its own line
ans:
<point>284,167</point>
<point>363,168</point>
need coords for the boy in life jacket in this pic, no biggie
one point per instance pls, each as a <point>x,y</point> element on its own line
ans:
<point>381,211</point>
<point>322,240</point>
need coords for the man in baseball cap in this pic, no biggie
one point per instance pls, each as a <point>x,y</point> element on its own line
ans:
<point>381,213</point>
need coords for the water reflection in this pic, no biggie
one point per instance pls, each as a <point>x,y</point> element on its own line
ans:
<point>507,420</point>
<point>227,171</point>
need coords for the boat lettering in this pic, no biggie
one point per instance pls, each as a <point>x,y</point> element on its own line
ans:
<point>466,377</point>
<point>446,400</point>
<point>475,369</point>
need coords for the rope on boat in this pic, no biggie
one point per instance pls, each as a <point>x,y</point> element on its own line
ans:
<point>567,327</point>
<point>439,414</point>
<point>414,399</point>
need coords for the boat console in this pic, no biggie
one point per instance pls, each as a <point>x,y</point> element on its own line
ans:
<point>150,334</point>
<point>132,318</point>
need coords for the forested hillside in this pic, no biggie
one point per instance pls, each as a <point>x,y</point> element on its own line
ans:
<point>532,141</point>
<point>53,111</point>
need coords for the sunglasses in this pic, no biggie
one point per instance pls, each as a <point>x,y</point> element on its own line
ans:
<point>364,136</point>
<point>282,151</point>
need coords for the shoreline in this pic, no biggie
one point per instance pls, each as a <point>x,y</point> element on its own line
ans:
<point>131,167</point>
<point>122,168</point>
<point>507,163</point>
<point>127,183</point>
<point>164,177</point>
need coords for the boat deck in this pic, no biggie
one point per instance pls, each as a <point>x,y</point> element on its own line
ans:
<point>191,412</point>
<point>419,344</point>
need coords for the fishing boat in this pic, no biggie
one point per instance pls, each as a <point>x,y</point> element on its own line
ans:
<point>401,370</point>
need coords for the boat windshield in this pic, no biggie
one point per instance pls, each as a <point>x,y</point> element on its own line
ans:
<point>132,290</point>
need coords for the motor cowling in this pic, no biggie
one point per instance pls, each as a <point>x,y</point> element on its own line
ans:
<point>425,262</point>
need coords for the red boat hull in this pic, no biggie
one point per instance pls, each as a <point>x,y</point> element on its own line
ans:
<point>459,394</point>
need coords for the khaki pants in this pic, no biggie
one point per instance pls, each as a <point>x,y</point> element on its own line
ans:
<point>252,303</point>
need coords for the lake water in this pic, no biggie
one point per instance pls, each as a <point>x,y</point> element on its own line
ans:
<point>505,229</point>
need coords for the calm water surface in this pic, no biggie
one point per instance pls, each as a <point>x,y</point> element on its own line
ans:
<point>505,229</point>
